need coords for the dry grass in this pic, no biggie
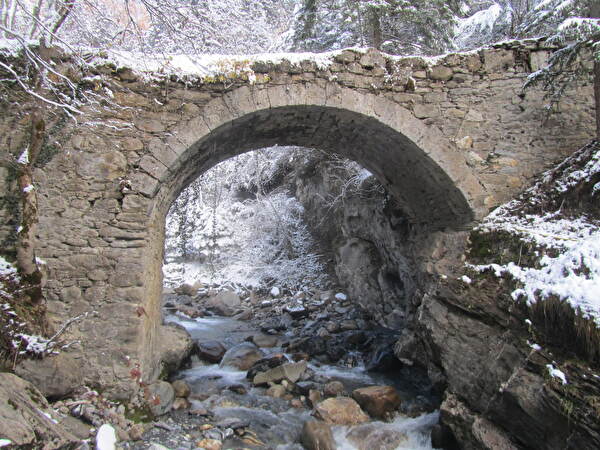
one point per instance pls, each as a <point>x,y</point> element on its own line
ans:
<point>564,328</point>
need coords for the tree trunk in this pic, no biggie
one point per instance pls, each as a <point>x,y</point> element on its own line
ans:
<point>308,18</point>
<point>597,96</point>
<point>26,259</point>
<point>594,12</point>
<point>375,28</point>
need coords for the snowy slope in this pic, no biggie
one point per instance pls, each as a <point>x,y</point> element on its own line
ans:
<point>558,218</point>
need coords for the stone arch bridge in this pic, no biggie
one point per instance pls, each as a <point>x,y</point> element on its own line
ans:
<point>451,137</point>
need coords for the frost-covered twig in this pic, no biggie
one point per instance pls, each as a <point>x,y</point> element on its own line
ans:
<point>41,346</point>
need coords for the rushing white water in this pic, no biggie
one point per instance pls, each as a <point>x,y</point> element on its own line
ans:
<point>272,418</point>
<point>224,329</point>
<point>417,432</point>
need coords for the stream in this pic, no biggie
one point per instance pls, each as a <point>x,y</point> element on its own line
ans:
<point>227,407</point>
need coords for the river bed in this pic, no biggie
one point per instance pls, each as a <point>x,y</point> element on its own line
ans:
<point>272,423</point>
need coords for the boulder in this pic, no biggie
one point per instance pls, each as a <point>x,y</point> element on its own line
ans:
<point>242,356</point>
<point>188,289</point>
<point>181,388</point>
<point>266,363</point>
<point>161,397</point>
<point>209,444</point>
<point>276,391</point>
<point>26,419</point>
<point>56,376</point>
<point>190,311</point>
<point>378,401</point>
<point>181,403</point>
<point>175,346</point>
<point>211,351</point>
<point>314,397</point>
<point>312,345</point>
<point>75,426</point>
<point>333,389</point>
<point>224,303</point>
<point>289,371</point>
<point>340,411</point>
<point>297,312</point>
<point>317,436</point>
<point>371,436</point>
<point>265,340</point>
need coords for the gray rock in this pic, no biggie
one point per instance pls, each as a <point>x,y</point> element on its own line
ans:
<point>242,356</point>
<point>224,303</point>
<point>181,388</point>
<point>187,289</point>
<point>371,436</point>
<point>290,371</point>
<point>372,58</point>
<point>333,389</point>
<point>26,419</point>
<point>162,396</point>
<point>266,363</point>
<point>56,376</point>
<point>155,446</point>
<point>175,346</point>
<point>211,351</point>
<point>317,436</point>
<point>265,340</point>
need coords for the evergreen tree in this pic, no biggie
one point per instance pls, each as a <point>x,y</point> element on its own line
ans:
<point>394,26</point>
<point>574,25</point>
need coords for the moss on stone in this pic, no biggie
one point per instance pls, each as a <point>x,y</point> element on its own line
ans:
<point>140,414</point>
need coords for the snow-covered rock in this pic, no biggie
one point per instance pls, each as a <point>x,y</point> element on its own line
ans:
<point>106,438</point>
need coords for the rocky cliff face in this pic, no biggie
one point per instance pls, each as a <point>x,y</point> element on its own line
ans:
<point>366,233</point>
<point>478,344</point>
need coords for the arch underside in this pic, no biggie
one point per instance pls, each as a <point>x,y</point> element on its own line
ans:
<point>427,193</point>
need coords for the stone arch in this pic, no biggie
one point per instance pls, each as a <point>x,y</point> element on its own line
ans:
<point>414,161</point>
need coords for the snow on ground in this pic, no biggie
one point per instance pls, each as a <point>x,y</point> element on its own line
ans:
<point>556,373</point>
<point>6,268</point>
<point>572,271</point>
<point>106,438</point>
